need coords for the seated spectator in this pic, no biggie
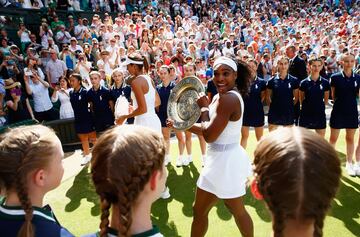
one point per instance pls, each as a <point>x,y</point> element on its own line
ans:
<point>45,34</point>
<point>24,35</point>
<point>299,198</point>
<point>68,57</point>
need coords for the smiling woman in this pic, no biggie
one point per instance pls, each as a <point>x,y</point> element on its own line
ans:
<point>227,166</point>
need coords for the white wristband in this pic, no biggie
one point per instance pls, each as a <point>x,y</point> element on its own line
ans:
<point>204,109</point>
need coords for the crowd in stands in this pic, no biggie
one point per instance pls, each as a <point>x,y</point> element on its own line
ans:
<point>186,36</point>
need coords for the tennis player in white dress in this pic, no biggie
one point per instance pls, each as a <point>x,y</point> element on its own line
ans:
<point>227,167</point>
<point>144,99</point>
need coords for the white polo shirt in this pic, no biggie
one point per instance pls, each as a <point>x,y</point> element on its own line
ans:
<point>41,97</point>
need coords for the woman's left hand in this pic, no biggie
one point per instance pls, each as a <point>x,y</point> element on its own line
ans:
<point>202,100</point>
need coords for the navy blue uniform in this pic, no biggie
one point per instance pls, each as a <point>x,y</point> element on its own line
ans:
<point>344,113</point>
<point>103,115</point>
<point>122,90</point>
<point>211,88</point>
<point>83,119</point>
<point>164,93</point>
<point>44,221</point>
<point>312,114</point>
<point>253,107</point>
<point>281,111</point>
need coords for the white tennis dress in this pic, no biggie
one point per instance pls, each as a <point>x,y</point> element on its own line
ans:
<point>227,165</point>
<point>149,119</point>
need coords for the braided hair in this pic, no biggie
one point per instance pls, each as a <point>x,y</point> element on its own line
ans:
<point>298,174</point>
<point>124,158</point>
<point>23,150</point>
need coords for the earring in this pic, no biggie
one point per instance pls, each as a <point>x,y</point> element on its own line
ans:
<point>255,190</point>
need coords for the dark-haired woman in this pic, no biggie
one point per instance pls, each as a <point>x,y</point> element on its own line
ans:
<point>18,105</point>
<point>84,125</point>
<point>62,93</point>
<point>253,107</point>
<point>282,94</point>
<point>143,94</point>
<point>144,98</point>
<point>227,167</point>
<point>313,96</point>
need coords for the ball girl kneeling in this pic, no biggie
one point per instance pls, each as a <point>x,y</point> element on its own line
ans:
<point>129,175</point>
<point>30,166</point>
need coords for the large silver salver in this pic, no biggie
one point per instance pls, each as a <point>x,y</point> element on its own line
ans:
<point>182,107</point>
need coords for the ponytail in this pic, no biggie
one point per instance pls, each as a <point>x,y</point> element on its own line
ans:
<point>243,78</point>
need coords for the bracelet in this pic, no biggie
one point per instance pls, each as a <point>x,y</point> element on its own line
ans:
<point>204,109</point>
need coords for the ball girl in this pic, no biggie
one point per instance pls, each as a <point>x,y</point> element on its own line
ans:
<point>119,87</point>
<point>299,198</point>
<point>253,107</point>
<point>84,125</point>
<point>313,96</point>
<point>344,115</point>
<point>101,104</point>
<point>281,95</point>
<point>30,166</point>
<point>139,153</point>
<point>164,90</point>
<point>190,70</point>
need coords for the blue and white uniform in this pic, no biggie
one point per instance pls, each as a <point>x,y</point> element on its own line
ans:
<point>281,111</point>
<point>44,221</point>
<point>164,94</point>
<point>102,114</point>
<point>83,119</point>
<point>312,113</point>
<point>344,113</point>
<point>253,107</point>
<point>122,90</point>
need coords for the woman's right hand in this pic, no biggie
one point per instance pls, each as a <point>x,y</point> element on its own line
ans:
<point>169,123</point>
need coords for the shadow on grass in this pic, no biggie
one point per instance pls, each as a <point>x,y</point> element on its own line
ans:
<point>82,188</point>
<point>346,205</point>
<point>182,189</point>
<point>258,205</point>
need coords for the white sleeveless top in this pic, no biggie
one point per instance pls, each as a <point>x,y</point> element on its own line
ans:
<point>149,119</point>
<point>232,132</point>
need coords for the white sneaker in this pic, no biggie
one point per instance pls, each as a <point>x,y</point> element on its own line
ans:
<point>179,161</point>
<point>167,160</point>
<point>186,160</point>
<point>357,168</point>
<point>86,160</point>
<point>203,159</point>
<point>165,194</point>
<point>190,159</point>
<point>350,169</point>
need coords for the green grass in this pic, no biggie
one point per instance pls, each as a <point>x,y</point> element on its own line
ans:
<point>76,205</point>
